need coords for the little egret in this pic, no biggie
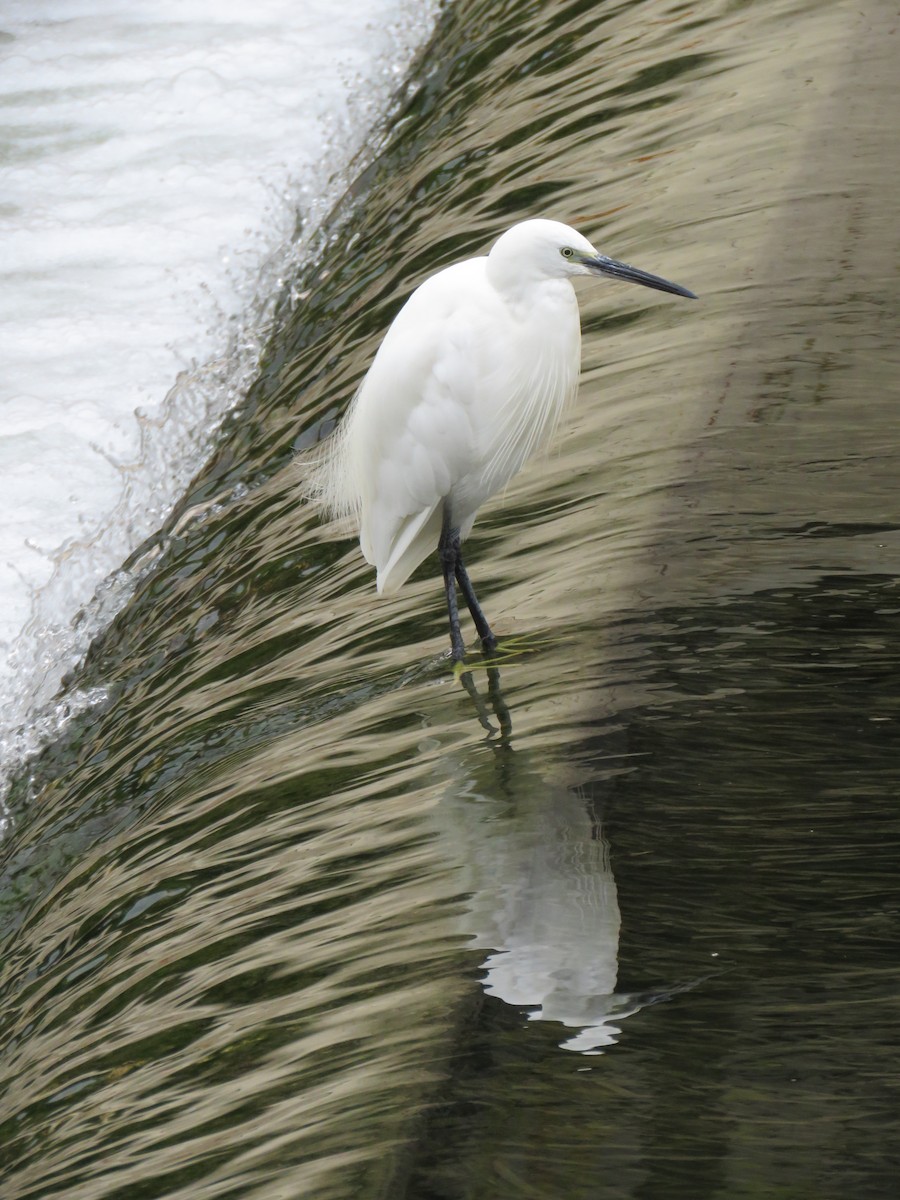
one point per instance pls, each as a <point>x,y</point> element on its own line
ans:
<point>470,380</point>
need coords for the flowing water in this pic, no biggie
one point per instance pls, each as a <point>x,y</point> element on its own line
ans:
<point>291,912</point>
<point>163,169</point>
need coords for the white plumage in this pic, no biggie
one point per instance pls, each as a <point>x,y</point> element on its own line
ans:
<point>470,380</point>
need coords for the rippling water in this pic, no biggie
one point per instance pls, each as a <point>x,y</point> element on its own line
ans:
<point>152,164</point>
<point>296,914</point>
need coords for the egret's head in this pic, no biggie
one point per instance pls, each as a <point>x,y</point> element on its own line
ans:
<point>540,249</point>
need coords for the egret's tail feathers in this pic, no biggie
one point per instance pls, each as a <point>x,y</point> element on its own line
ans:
<point>328,479</point>
<point>415,539</point>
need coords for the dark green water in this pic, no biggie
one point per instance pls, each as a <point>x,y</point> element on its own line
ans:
<point>283,919</point>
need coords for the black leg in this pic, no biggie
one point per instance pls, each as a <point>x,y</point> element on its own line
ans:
<point>448,549</point>
<point>488,641</point>
<point>455,572</point>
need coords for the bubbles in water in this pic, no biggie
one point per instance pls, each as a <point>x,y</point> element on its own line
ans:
<point>158,164</point>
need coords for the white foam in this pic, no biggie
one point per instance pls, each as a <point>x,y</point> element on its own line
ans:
<point>157,155</point>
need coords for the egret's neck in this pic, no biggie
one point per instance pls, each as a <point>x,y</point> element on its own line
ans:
<point>525,293</point>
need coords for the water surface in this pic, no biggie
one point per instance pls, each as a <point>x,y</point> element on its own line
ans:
<point>296,914</point>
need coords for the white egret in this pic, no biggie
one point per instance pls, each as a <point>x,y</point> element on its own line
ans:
<point>470,380</point>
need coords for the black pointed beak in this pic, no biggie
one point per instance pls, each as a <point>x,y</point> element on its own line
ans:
<point>601,265</point>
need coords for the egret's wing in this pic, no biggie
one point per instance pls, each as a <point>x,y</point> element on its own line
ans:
<point>410,437</point>
<point>415,539</point>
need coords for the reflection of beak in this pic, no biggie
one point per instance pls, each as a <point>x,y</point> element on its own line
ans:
<point>601,265</point>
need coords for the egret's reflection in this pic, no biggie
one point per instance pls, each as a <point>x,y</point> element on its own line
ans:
<point>494,697</point>
<point>542,897</point>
